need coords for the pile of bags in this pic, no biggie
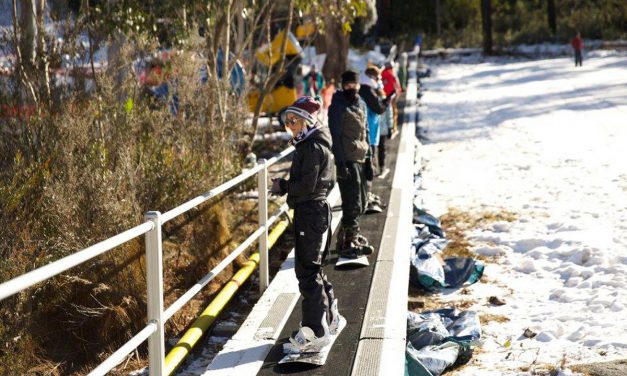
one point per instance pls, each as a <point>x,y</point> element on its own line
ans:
<point>439,340</point>
<point>428,269</point>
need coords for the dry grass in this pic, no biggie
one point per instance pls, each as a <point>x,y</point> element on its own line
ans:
<point>456,222</point>
<point>87,168</point>
<point>487,318</point>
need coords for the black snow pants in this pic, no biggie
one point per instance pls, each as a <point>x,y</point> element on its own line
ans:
<point>312,236</point>
<point>354,196</point>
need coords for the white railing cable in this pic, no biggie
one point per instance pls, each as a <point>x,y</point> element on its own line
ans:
<point>118,357</point>
<point>180,302</point>
<point>173,213</point>
<point>280,156</point>
<point>183,299</point>
<point>31,278</point>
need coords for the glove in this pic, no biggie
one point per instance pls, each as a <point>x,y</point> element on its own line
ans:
<point>389,98</point>
<point>276,188</point>
<point>342,172</point>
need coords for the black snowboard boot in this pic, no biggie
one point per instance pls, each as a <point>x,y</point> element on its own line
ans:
<point>354,245</point>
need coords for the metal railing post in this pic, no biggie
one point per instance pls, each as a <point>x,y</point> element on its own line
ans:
<point>264,275</point>
<point>154,282</point>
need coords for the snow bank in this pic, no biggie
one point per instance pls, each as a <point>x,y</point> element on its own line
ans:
<point>545,141</point>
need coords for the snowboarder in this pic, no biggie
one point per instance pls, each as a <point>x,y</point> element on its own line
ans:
<point>312,177</point>
<point>349,129</point>
<point>377,103</point>
<point>577,44</point>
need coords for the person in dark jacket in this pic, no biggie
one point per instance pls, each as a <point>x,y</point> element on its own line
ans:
<point>348,125</point>
<point>312,176</point>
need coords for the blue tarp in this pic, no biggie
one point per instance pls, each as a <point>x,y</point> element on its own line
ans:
<point>438,340</point>
<point>428,269</point>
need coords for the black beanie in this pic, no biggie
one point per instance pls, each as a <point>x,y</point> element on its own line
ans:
<point>349,76</point>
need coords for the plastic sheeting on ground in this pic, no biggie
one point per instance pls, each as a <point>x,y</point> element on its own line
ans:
<point>438,340</point>
<point>428,269</point>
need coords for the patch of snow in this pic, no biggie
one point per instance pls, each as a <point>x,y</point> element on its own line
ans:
<point>545,141</point>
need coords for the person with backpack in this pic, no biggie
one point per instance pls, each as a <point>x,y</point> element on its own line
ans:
<point>349,129</point>
<point>312,176</point>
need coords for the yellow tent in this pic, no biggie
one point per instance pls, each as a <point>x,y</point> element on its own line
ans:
<point>305,30</point>
<point>270,54</point>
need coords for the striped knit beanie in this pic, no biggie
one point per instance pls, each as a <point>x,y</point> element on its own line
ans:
<point>307,108</point>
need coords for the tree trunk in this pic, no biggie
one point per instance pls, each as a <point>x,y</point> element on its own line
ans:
<point>334,42</point>
<point>28,32</point>
<point>486,18</point>
<point>438,12</point>
<point>550,7</point>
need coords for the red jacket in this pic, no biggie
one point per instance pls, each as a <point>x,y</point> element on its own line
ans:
<point>577,43</point>
<point>390,82</point>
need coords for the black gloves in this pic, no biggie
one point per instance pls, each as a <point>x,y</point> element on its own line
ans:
<point>279,187</point>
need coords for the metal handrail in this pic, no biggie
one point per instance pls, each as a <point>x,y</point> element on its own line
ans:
<point>152,228</point>
<point>31,278</point>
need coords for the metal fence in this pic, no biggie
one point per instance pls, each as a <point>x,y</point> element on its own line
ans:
<point>152,228</point>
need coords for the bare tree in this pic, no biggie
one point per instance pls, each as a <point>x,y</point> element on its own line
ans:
<point>486,17</point>
<point>334,42</point>
<point>550,8</point>
<point>438,17</point>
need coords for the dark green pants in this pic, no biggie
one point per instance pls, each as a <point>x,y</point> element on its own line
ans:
<point>354,196</point>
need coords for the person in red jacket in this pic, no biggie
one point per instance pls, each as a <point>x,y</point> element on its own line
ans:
<point>391,84</point>
<point>577,44</point>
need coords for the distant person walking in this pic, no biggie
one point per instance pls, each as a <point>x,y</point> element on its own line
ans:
<point>314,82</point>
<point>577,44</point>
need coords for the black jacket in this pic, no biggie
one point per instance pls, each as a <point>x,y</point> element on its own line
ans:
<point>312,175</point>
<point>374,102</point>
<point>349,128</point>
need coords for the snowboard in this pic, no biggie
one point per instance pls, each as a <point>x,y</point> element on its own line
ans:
<point>359,261</point>
<point>316,358</point>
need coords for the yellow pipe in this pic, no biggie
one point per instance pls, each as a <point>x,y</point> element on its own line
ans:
<point>183,347</point>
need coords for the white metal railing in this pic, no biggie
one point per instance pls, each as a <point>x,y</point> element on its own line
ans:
<point>152,228</point>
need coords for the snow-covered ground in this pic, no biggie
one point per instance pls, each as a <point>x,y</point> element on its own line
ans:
<point>548,142</point>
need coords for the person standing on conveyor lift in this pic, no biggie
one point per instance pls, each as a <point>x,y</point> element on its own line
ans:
<point>349,129</point>
<point>312,176</point>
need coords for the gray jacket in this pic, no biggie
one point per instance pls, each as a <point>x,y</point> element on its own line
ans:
<point>348,125</point>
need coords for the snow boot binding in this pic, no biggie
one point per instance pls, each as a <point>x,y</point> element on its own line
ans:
<point>305,341</point>
<point>305,347</point>
<point>361,240</point>
<point>337,321</point>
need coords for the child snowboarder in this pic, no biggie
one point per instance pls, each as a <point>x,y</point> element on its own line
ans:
<point>312,176</point>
